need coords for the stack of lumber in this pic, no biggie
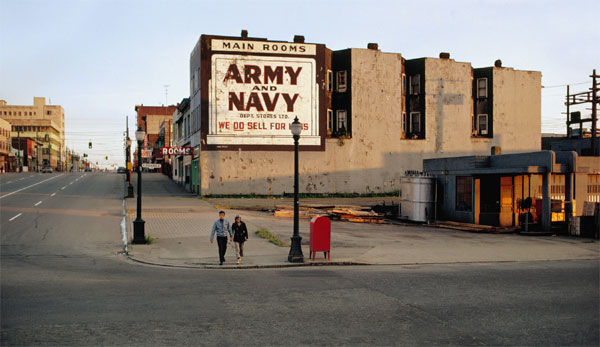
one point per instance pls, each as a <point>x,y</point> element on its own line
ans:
<point>350,213</point>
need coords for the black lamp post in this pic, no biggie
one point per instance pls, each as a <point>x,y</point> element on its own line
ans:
<point>295,255</point>
<point>138,223</point>
<point>129,186</point>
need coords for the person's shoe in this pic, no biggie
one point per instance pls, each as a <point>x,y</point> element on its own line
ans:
<point>239,261</point>
<point>220,263</point>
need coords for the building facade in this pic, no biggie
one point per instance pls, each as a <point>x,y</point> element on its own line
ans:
<point>5,146</point>
<point>150,118</point>
<point>42,123</point>
<point>368,116</point>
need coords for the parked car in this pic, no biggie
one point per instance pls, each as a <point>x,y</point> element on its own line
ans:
<point>47,169</point>
<point>121,170</point>
<point>87,169</point>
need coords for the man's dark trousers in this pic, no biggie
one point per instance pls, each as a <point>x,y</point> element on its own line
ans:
<point>222,242</point>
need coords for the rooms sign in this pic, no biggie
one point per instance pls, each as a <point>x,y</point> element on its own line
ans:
<point>254,99</point>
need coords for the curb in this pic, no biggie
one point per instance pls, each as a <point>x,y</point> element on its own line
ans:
<point>244,267</point>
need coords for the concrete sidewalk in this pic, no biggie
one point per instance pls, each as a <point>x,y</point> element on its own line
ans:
<point>180,223</point>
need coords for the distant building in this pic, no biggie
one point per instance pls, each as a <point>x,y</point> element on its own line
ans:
<point>368,115</point>
<point>5,146</point>
<point>581,145</point>
<point>182,164</point>
<point>149,118</point>
<point>41,123</point>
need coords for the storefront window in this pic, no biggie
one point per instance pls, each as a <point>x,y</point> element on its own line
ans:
<point>464,196</point>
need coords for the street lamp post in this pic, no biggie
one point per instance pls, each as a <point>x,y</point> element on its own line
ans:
<point>129,186</point>
<point>138,223</point>
<point>295,255</point>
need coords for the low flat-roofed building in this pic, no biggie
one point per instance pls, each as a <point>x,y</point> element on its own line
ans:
<point>490,190</point>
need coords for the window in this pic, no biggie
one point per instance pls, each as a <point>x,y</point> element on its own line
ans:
<point>403,84</point>
<point>482,88</point>
<point>49,113</point>
<point>404,125</point>
<point>329,120</point>
<point>329,80</point>
<point>482,124</point>
<point>415,84</point>
<point>341,81</point>
<point>342,125</point>
<point>464,196</point>
<point>415,123</point>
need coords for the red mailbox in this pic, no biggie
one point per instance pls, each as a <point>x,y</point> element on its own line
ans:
<point>320,236</point>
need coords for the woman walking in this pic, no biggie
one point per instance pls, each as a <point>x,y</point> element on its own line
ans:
<point>240,235</point>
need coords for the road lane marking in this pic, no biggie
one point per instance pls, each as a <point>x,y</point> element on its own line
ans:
<point>63,188</point>
<point>52,194</point>
<point>15,217</point>
<point>37,203</point>
<point>70,183</point>
<point>33,185</point>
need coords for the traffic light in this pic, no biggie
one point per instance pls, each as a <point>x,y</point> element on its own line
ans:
<point>106,157</point>
<point>90,145</point>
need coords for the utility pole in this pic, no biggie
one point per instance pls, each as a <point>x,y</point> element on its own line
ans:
<point>166,93</point>
<point>594,110</point>
<point>590,96</point>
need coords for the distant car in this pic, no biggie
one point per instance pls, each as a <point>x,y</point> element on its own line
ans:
<point>121,170</point>
<point>47,169</point>
<point>87,169</point>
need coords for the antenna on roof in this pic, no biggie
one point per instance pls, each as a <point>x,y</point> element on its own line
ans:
<point>166,93</point>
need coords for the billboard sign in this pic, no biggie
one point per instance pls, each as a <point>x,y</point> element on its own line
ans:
<point>254,99</point>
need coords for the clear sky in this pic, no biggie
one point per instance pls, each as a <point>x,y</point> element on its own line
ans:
<point>98,59</point>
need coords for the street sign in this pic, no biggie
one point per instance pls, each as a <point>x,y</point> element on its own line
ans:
<point>176,150</point>
<point>151,166</point>
<point>146,153</point>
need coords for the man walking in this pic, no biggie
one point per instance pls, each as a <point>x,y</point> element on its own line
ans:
<point>221,228</point>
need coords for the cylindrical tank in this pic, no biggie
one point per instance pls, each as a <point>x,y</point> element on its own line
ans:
<point>418,198</point>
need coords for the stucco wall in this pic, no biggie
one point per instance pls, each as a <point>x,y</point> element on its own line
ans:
<point>376,156</point>
<point>517,110</point>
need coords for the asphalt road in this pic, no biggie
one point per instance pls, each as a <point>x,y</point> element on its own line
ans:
<point>64,283</point>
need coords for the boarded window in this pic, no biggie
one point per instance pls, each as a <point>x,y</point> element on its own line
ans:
<point>464,196</point>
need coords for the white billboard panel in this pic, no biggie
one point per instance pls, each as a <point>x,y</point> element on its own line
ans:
<point>254,99</point>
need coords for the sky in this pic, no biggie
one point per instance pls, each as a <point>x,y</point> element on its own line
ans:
<point>100,58</point>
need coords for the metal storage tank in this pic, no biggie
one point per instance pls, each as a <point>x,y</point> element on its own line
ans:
<point>417,197</point>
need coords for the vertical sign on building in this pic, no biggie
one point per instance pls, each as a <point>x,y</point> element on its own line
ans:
<point>255,98</point>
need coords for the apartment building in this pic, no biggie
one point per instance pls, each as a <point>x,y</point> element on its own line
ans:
<point>42,123</point>
<point>368,115</point>
<point>150,118</point>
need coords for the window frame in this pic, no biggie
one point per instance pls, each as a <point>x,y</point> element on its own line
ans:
<point>487,124</point>
<point>403,81</point>
<point>416,77</point>
<point>330,122</point>
<point>329,81</point>
<point>342,76</point>
<point>411,122</point>
<point>479,88</point>
<point>338,117</point>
